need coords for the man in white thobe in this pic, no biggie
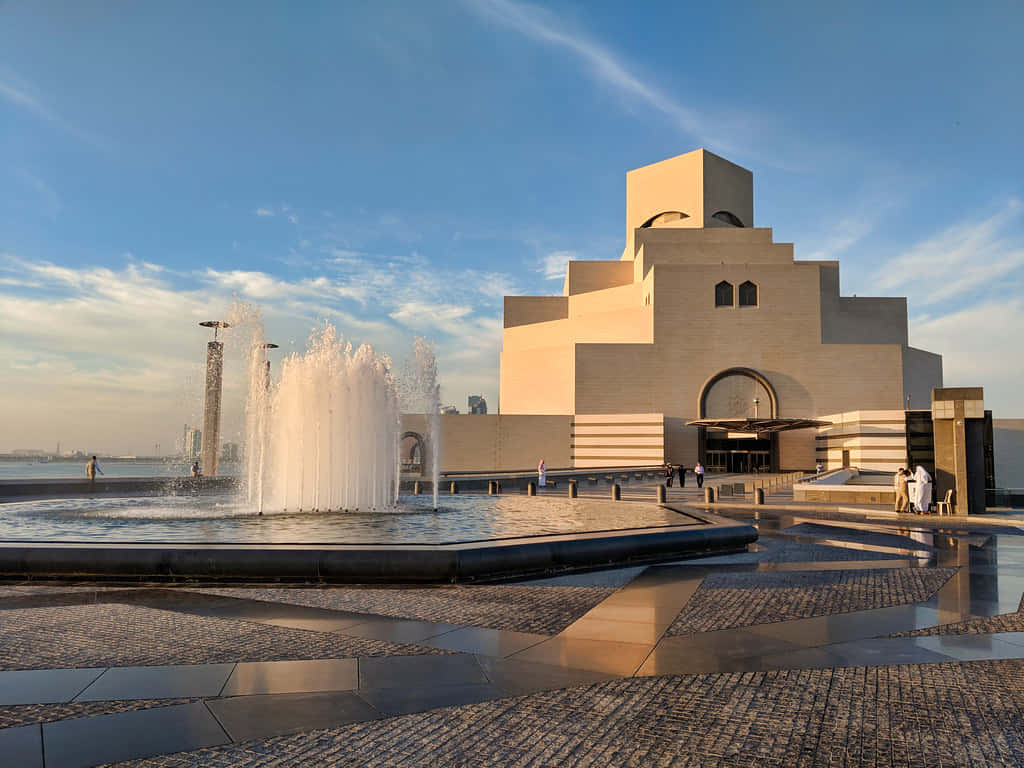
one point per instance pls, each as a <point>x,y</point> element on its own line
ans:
<point>922,490</point>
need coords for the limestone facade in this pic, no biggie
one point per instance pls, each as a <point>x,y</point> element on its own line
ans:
<point>699,291</point>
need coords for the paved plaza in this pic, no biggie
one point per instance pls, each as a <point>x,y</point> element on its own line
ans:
<point>837,640</point>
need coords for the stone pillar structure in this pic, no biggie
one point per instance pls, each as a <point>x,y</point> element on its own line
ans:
<point>211,410</point>
<point>958,420</point>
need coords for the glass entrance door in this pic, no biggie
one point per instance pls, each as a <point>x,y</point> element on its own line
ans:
<point>737,455</point>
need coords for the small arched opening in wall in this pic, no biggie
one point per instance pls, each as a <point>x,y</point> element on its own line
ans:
<point>728,218</point>
<point>413,452</point>
<point>664,219</point>
<point>731,394</point>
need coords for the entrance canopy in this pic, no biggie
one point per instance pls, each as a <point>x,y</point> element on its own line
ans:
<point>757,426</point>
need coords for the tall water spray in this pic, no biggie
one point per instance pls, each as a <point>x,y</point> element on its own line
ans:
<point>326,436</point>
<point>421,393</point>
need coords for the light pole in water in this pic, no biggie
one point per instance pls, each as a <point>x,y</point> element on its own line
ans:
<point>756,401</point>
<point>211,408</point>
<point>263,427</point>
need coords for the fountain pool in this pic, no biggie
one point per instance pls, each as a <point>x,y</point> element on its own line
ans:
<point>222,519</point>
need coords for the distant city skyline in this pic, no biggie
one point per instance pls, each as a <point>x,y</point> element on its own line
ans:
<point>399,168</point>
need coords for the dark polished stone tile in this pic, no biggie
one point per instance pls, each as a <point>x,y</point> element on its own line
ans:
<point>518,678</point>
<point>405,701</point>
<point>259,717</point>
<point>44,686</point>
<point>397,630</point>
<point>598,655</point>
<point>22,747</point>
<point>315,624</point>
<point>662,614</point>
<point>1014,638</point>
<point>808,658</point>
<point>725,651</point>
<point>844,565</point>
<point>884,651</point>
<point>971,647</point>
<point>90,741</point>
<point>488,642</point>
<point>170,682</point>
<point>842,627</point>
<point>620,631</point>
<point>419,671</point>
<point>261,677</point>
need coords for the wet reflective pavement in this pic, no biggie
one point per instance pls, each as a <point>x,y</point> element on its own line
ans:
<point>856,594</point>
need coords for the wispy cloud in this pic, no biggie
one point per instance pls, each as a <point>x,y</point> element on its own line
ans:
<point>977,346</point>
<point>963,258</point>
<point>264,212</point>
<point>20,94</point>
<point>603,65</point>
<point>23,95</point>
<point>554,264</point>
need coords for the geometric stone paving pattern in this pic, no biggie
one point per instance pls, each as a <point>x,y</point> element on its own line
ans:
<point>103,635</point>
<point>27,714</point>
<point>512,607</point>
<point>729,600</point>
<point>967,713</point>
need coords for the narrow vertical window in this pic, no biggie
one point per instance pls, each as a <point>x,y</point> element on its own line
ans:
<point>723,294</point>
<point>748,294</point>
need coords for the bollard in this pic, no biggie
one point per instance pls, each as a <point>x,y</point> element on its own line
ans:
<point>453,488</point>
<point>416,488</point>
<point>531,488</point>
<point>616,492</point>
<point>661,494</point>
<point>759,496</point>
<point>573,491</point>
<point>709,494</point>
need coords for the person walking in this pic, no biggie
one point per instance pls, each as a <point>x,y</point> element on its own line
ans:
<point>542,474</point>
<point>900,484</point>
<point>669,471</point>
<point>819,468</point>
<point>90,471</point>
<point>698,472</point>
<point>682,475</point>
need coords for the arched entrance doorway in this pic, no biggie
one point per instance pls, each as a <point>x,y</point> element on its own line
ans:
<point>737,393</point>
<point>413,452</point>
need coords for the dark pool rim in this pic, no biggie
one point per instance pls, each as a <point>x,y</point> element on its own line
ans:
<point>493,560</point>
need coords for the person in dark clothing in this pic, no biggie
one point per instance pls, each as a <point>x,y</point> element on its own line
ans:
<point>682,476</point>
<point>669,471</point>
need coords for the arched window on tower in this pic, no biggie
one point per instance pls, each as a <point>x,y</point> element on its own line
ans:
<point>748,294</point>
<point>727,217</point>
<point>723,294</point>
<point>664,219</point>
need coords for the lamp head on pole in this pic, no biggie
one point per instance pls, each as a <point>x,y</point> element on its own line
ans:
<point>216,325</point>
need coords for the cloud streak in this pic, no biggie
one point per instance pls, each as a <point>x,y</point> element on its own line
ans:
<point>602,64</point>
<point>960,260</point>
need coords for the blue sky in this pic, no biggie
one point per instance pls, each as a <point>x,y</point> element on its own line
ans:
<point>399,167</point>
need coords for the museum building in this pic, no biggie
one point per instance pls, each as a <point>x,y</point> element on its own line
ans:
<point>704,325</point>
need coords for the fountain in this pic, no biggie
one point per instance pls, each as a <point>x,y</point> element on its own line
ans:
<point>420,393</point>
<point>325,438</point>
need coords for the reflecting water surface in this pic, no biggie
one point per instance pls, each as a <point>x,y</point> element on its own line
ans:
<point>212,519</point>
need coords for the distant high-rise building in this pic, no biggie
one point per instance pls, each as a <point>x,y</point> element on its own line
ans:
<point>477,404</point>
<point>230,452</point>
<point>193,443</point>
<point>449,410</point>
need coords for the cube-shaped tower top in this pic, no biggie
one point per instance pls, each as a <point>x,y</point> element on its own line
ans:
<point>695,190</point>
